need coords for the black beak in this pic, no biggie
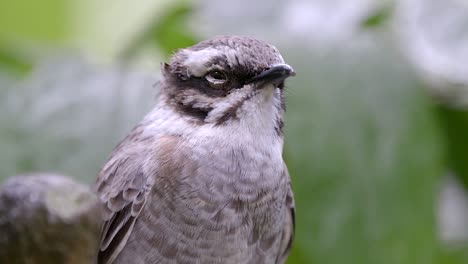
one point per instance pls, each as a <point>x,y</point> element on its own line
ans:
<point>275,75</point>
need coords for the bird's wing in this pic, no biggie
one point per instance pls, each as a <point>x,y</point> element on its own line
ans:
<point>122,188</point>
<point>289,228</point>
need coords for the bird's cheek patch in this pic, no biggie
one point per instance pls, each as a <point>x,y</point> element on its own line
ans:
<point>197,61</point>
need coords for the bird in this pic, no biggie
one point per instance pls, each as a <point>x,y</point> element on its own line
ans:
<point>202,179</point>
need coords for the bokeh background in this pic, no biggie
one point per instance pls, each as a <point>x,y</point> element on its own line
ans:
<point>377,122</point>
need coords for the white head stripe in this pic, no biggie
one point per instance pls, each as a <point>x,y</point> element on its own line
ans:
<point>196,61</point>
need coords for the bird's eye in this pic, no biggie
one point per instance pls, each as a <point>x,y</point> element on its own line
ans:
<point>218,75</point>
<point>216,79</point>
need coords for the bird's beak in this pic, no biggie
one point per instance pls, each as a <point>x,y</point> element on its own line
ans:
<point>275,74</point>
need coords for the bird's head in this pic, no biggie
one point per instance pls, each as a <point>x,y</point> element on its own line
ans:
<point>227,79</point>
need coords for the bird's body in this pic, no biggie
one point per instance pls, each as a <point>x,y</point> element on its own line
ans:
<point>202,179</point>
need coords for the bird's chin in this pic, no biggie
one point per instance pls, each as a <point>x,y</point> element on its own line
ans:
<point>262,93</point>
<point>260,90</point>
<point>269,87</point>
<point>266,89</point>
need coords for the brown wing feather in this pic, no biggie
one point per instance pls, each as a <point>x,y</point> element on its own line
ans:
<point>290,226</point>
<point>122,189</point>
<point>124,183</point>
<point>114,236</point>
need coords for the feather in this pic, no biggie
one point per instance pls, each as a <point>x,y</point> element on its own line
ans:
<point>289,228</point>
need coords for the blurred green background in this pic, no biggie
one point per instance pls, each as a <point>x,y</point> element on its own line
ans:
<point>376,128</point>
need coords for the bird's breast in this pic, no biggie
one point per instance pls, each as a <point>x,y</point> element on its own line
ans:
<point>213,201</point>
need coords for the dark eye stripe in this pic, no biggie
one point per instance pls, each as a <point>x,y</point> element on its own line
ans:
<point>236,78</point>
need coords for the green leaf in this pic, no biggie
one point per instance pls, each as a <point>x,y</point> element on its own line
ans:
<point>455,128</point>
<point>172,32</point>
<point>454,123</point>
<point>365,152</point>
<point>13,62</point>
<point>378,17</point>
<point>169,32</point>
<point>453,256</point>
<point>34,21</point>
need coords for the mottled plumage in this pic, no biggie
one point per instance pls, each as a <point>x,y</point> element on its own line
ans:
<point>201,179</point>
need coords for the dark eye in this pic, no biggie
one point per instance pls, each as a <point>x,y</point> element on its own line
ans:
<point>216,78</point>
<point>218,75</point>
